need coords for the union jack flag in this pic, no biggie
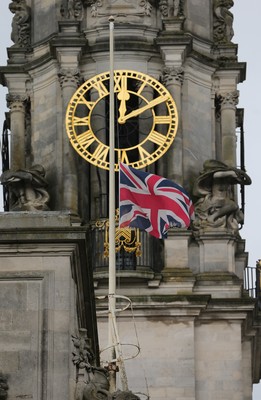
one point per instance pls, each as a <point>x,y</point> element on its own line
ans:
<point>152,203</point>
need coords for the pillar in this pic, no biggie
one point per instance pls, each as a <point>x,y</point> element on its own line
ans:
<point>69,81</point>
<point>228,103</point>
<point>173,79</point>
<point>16,103</point>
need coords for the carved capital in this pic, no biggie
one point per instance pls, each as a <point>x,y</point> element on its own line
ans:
<point>69,78</point>
<point>229,100</point>
<point>16,102</point>
<point>173,75</point>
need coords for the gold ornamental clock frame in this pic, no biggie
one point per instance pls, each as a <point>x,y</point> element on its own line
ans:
<point>146,125</point>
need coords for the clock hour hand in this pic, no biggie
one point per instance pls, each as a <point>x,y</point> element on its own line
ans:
<point>123,96</point>
<point>139,111</point>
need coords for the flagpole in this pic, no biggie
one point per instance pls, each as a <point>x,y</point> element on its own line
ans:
<point>114,341</point>
<point>112,260</point>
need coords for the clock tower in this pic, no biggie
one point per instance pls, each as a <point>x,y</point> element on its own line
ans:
<point>175,100</point>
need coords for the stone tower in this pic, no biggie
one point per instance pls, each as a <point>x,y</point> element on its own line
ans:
<point>197,328</point>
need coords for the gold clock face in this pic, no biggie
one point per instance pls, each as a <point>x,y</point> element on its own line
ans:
<point>146,119</point>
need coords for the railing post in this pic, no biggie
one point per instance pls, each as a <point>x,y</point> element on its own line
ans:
<point>258,269</point>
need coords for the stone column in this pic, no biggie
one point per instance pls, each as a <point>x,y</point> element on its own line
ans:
<point>173,79</point>
<point>228,102</point>
<point>69,81</point>
<point>17,103</point>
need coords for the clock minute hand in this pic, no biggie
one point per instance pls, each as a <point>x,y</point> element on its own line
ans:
<point>139,111</point>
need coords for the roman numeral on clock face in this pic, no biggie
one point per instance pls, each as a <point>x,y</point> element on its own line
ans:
<point>81,121</point>
<point>85,139</point>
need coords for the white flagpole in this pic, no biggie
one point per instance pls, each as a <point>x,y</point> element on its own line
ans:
<point>114,341</point>
<point>112,259</point>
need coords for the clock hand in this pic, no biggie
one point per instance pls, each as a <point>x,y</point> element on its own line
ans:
<point>139,111</point>
<point>123,96</point>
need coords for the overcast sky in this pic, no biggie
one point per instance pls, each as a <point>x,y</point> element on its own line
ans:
<point>247,17</point>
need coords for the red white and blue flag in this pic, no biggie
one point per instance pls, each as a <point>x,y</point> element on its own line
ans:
<point>152,203</point>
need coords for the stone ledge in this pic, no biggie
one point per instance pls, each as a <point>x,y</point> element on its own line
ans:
<point>28,219</point>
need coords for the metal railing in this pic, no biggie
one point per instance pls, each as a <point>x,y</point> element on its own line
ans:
<point>5,157</point>
<point>148,257</point>
<point>252,282</point>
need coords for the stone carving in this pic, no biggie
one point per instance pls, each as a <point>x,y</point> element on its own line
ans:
<point>27,189</point>
<point>147,7</point>
<point>228,99</point>
<point>171,8</point>
<point>97,9</point>
<point>92,382</point>
<point>95,5</point>
<point>69,77</point>
<point>173,74</point>
<point>16,102</point>
<point>71,9</point>
<point>3,387</point>
<point>21,24</point>
<point>216,207</point>
<point>223,21</point>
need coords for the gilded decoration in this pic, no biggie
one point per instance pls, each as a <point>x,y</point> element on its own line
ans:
<point>127,239</point>
<point>85,114</point>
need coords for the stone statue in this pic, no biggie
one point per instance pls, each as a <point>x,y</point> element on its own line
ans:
<point>3,386</point>
<point>92,382</point>
<point>171,8</point>
<point>71,9</point>
<point>216,207</point>
<point>223,21</point>
<point>27,188</point>
<point>21,23</point>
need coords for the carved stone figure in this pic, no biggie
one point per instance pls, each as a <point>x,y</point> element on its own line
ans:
<point>3,386</point>
<point>171,8</point>
<point>27,189</point>
<point>71,9</point>
<point>92,382</point>
<point>216,207</point>
<point>223,21</point>
<point>21,23</point>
